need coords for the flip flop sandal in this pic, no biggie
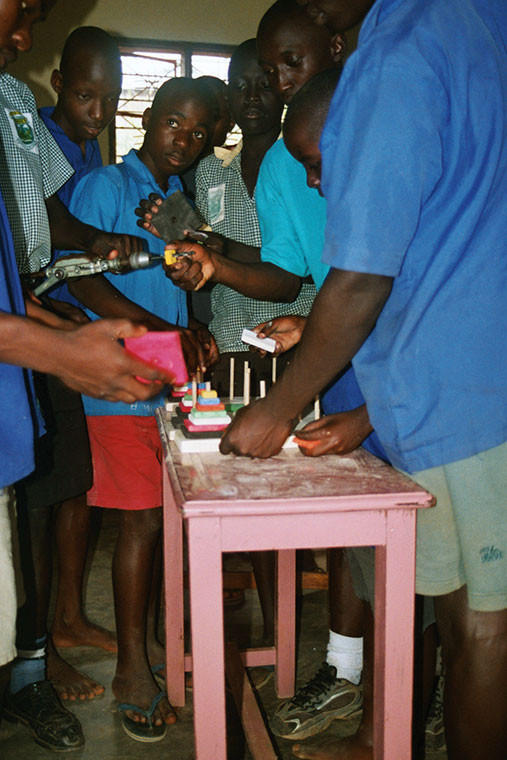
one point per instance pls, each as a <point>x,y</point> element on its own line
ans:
<point>143,732</point>
<point>158,672</point>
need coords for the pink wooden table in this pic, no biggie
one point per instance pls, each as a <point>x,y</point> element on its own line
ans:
<point>231,504</point>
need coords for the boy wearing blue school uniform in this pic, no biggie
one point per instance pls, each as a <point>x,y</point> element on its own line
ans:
<point>126,448</point>
<point>414,172</point>
<point>16,439</point>
<point>88,85</point>
<point>292,220</point>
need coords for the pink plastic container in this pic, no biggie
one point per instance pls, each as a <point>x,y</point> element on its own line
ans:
<point>161,350</point>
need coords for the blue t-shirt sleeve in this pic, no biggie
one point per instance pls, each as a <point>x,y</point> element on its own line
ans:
<point>381,158</point>
<point>95,199</point>
<point>279,238</point>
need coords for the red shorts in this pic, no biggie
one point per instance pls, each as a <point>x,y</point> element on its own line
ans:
<point>127,458</point>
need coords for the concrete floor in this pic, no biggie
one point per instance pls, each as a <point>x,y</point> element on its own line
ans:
<point>105,738</point>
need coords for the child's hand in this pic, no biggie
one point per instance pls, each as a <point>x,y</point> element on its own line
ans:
<point>193,351</point>
<point>336,433</point>
<point>69,311</point>
<point>286,331</point>
<point>191,273</point>
<point>109,245</point>
<point>146,210</point>
<point>90,360</point>
<point>35,311</point>
<point>210,239</point>
<point>256,431</point>
<point>208,343</point>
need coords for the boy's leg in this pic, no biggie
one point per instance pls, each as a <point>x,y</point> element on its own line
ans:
<point>8,586</point>
<point>263,564</point>
<point>31,700</point>
<point>63,469</point>
<point>34,529</point>
<point>156,651</point>
<point>132,578</point>
<point>359,746</point>
<point>462,560</point>
<point>334,691</point>
<point>70,626</point>
<point>346,610</point>
<point>127,456</point>
<point>474,651</point>
<point>68,682</point>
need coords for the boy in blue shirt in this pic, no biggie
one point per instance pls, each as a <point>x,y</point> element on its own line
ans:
<point>426,91</point>
<point>291,218</point>
<point>126,449</point>
<point>88,84</point>
<point>87,359</point>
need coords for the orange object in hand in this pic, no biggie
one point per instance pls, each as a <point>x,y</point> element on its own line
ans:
<point>305,444</point>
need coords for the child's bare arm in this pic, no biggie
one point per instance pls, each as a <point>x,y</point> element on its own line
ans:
<point>45,317</point>
<point>222,260</point>
<point>88,359</point>
<point>69,233</point>
<point>100,296</point>
<point>343,315</point>
<point>260,280</point>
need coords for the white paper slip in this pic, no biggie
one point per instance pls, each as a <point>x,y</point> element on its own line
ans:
<point>267,344</point>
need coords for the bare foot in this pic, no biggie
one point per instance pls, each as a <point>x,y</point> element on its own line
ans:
<point>69,683</point>
<point>82,633</point>
<point>350,748</point>
<point>139,688</point>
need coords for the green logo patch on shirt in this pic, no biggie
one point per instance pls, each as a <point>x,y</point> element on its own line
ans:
<point>21,125</point>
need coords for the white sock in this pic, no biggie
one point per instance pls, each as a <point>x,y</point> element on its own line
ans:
<point>346,654</point>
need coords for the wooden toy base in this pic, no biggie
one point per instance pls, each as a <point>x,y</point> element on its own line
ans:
<point>206,445</point>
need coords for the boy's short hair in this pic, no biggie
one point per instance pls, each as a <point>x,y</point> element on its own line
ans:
<point>217,85</point>
<point>93,41</point>
<point>279,9</point>
<point>248,48</point>
<point>188,87</point>
<point>313,100</point>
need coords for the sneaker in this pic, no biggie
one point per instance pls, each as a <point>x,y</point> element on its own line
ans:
<point>38,708</point>
<point>434,735</point>
<point>323,699</point>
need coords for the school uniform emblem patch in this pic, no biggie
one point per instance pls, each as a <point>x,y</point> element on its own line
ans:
<point>21,125</point>
<point>216,204</point>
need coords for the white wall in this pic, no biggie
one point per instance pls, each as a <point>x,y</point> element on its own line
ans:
<point>218,21</point>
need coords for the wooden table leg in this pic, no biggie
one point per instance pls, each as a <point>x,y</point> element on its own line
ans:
<point>206,614</point>
<point>285,623</point>
<point>174,604</point>
<point>394,637</point>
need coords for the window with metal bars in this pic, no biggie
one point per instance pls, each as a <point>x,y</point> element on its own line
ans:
<point>146,65</point>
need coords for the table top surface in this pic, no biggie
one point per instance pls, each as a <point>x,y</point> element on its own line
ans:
<point>199,479</point>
